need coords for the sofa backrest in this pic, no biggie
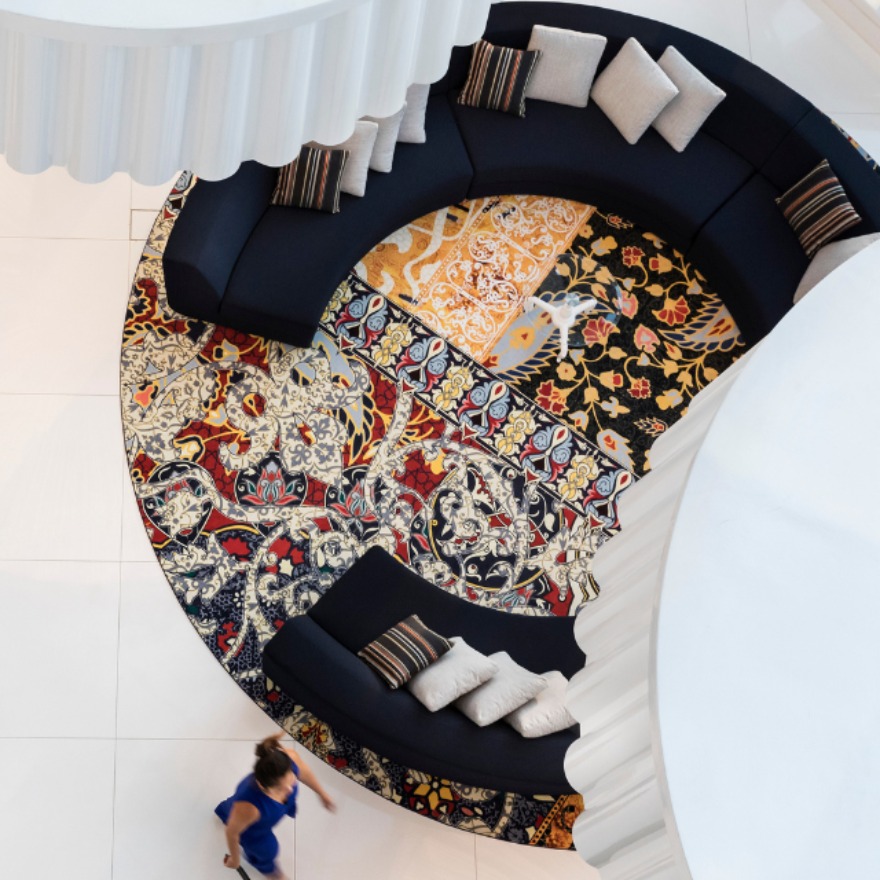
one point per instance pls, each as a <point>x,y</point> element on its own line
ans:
<point>813,139</point>
<point>377,592</point>
<point>753,119</point>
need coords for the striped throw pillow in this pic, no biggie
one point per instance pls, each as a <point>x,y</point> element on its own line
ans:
<point>498,78</point>
<point>817,208</point>
<point>402,651</point>
<point>312,180</point>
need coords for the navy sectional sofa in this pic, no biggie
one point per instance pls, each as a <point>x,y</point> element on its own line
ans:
<point>313,658</point>
<point>234,260</point>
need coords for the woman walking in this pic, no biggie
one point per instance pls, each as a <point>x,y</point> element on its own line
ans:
<point>259,803</point>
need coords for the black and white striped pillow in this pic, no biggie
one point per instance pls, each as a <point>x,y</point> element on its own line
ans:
<point>403,650</point>
<point>498,78</point>
<point>312,180</point>
<point>817,208</point>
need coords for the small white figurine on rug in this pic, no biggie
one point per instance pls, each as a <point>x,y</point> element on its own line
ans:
<point>563,315</point>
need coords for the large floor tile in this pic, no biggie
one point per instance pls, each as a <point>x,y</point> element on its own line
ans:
<point>135,249</point>
<point>136,546</point>
<point>56,809</point>
<point>166,792</point>
<point>723,21</point>
<point>497,860</point>
<point>59,477</point>
<point>54,205</point>
<point>58,651</point>
<point>810,49</point>
<point>382,841</point>
<point>170,686</point>
<point>150,197</point>
<point>142,223</point>
<point>63,306</point>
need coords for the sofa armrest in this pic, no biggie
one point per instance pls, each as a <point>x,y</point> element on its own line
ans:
<point>209,236</point>
<point>310,666</point>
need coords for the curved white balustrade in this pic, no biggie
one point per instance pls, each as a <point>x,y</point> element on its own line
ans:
<point>206,86</point>
<point>727,707</point>
<point>863,16</point>
<point>624,830</point>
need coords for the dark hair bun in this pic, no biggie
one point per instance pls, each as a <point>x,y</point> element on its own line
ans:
<point>272,762</point>
<point>266,747</point>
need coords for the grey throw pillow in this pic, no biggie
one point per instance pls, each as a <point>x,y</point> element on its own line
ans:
<point>697,97</point>
<point>412,126</point>
<point>457,672</point>
<point>359,147</point>
<point>510,687</point>
<point>545,713</point>
<point>632,90</point>
<point>383,150</point>
<point>568,63</point>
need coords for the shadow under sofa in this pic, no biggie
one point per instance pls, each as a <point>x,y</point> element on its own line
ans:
<point>233,259</point>
<point>313,659</point>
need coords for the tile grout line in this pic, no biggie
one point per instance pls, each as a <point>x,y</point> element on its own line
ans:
<point>119,604</point>
<point>115,774</point>
<point>56,394</point>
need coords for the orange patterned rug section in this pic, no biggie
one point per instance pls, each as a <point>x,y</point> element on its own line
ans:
<point>466,270</point>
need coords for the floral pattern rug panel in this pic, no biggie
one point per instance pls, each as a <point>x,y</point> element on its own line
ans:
<point>466,270</point>
<point>640,356</point>
<point>635,361</point>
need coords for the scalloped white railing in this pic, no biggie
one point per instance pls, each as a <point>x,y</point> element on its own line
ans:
<point>727,706</point>
<point>151,89</point>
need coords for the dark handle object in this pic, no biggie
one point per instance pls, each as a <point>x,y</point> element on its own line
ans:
<point>242,873</point>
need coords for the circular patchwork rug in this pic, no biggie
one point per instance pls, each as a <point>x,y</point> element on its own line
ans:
<point>431,417</point>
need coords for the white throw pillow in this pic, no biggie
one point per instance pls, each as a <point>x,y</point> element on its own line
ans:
<point>360,148</point>
<point>564,73</point>
<point>412,128</point>
<point>458,671</point>
<point>828,258</point>
<point>697,97</point>
<point>546,713</point>
<point>507,690</point>
<point>632,90</point>
<point>386,140</point>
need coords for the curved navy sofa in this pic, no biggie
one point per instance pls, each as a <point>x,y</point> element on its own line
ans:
<point>234,259</point>
<point>313,659</point>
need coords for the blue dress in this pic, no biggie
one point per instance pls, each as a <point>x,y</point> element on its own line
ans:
<point>258,842</point>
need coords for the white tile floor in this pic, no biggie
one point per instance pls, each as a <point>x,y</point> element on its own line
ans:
<point>118,731</point>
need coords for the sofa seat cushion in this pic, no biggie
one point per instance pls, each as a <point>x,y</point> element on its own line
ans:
<point>672,194</point>
<point>209,235</point>
<point>322,675</point>
<point>296,258</point>
<point>753,258</point>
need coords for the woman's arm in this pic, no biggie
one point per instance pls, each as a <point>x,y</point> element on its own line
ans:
<point>311,781</point>
<point>241,817</point>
